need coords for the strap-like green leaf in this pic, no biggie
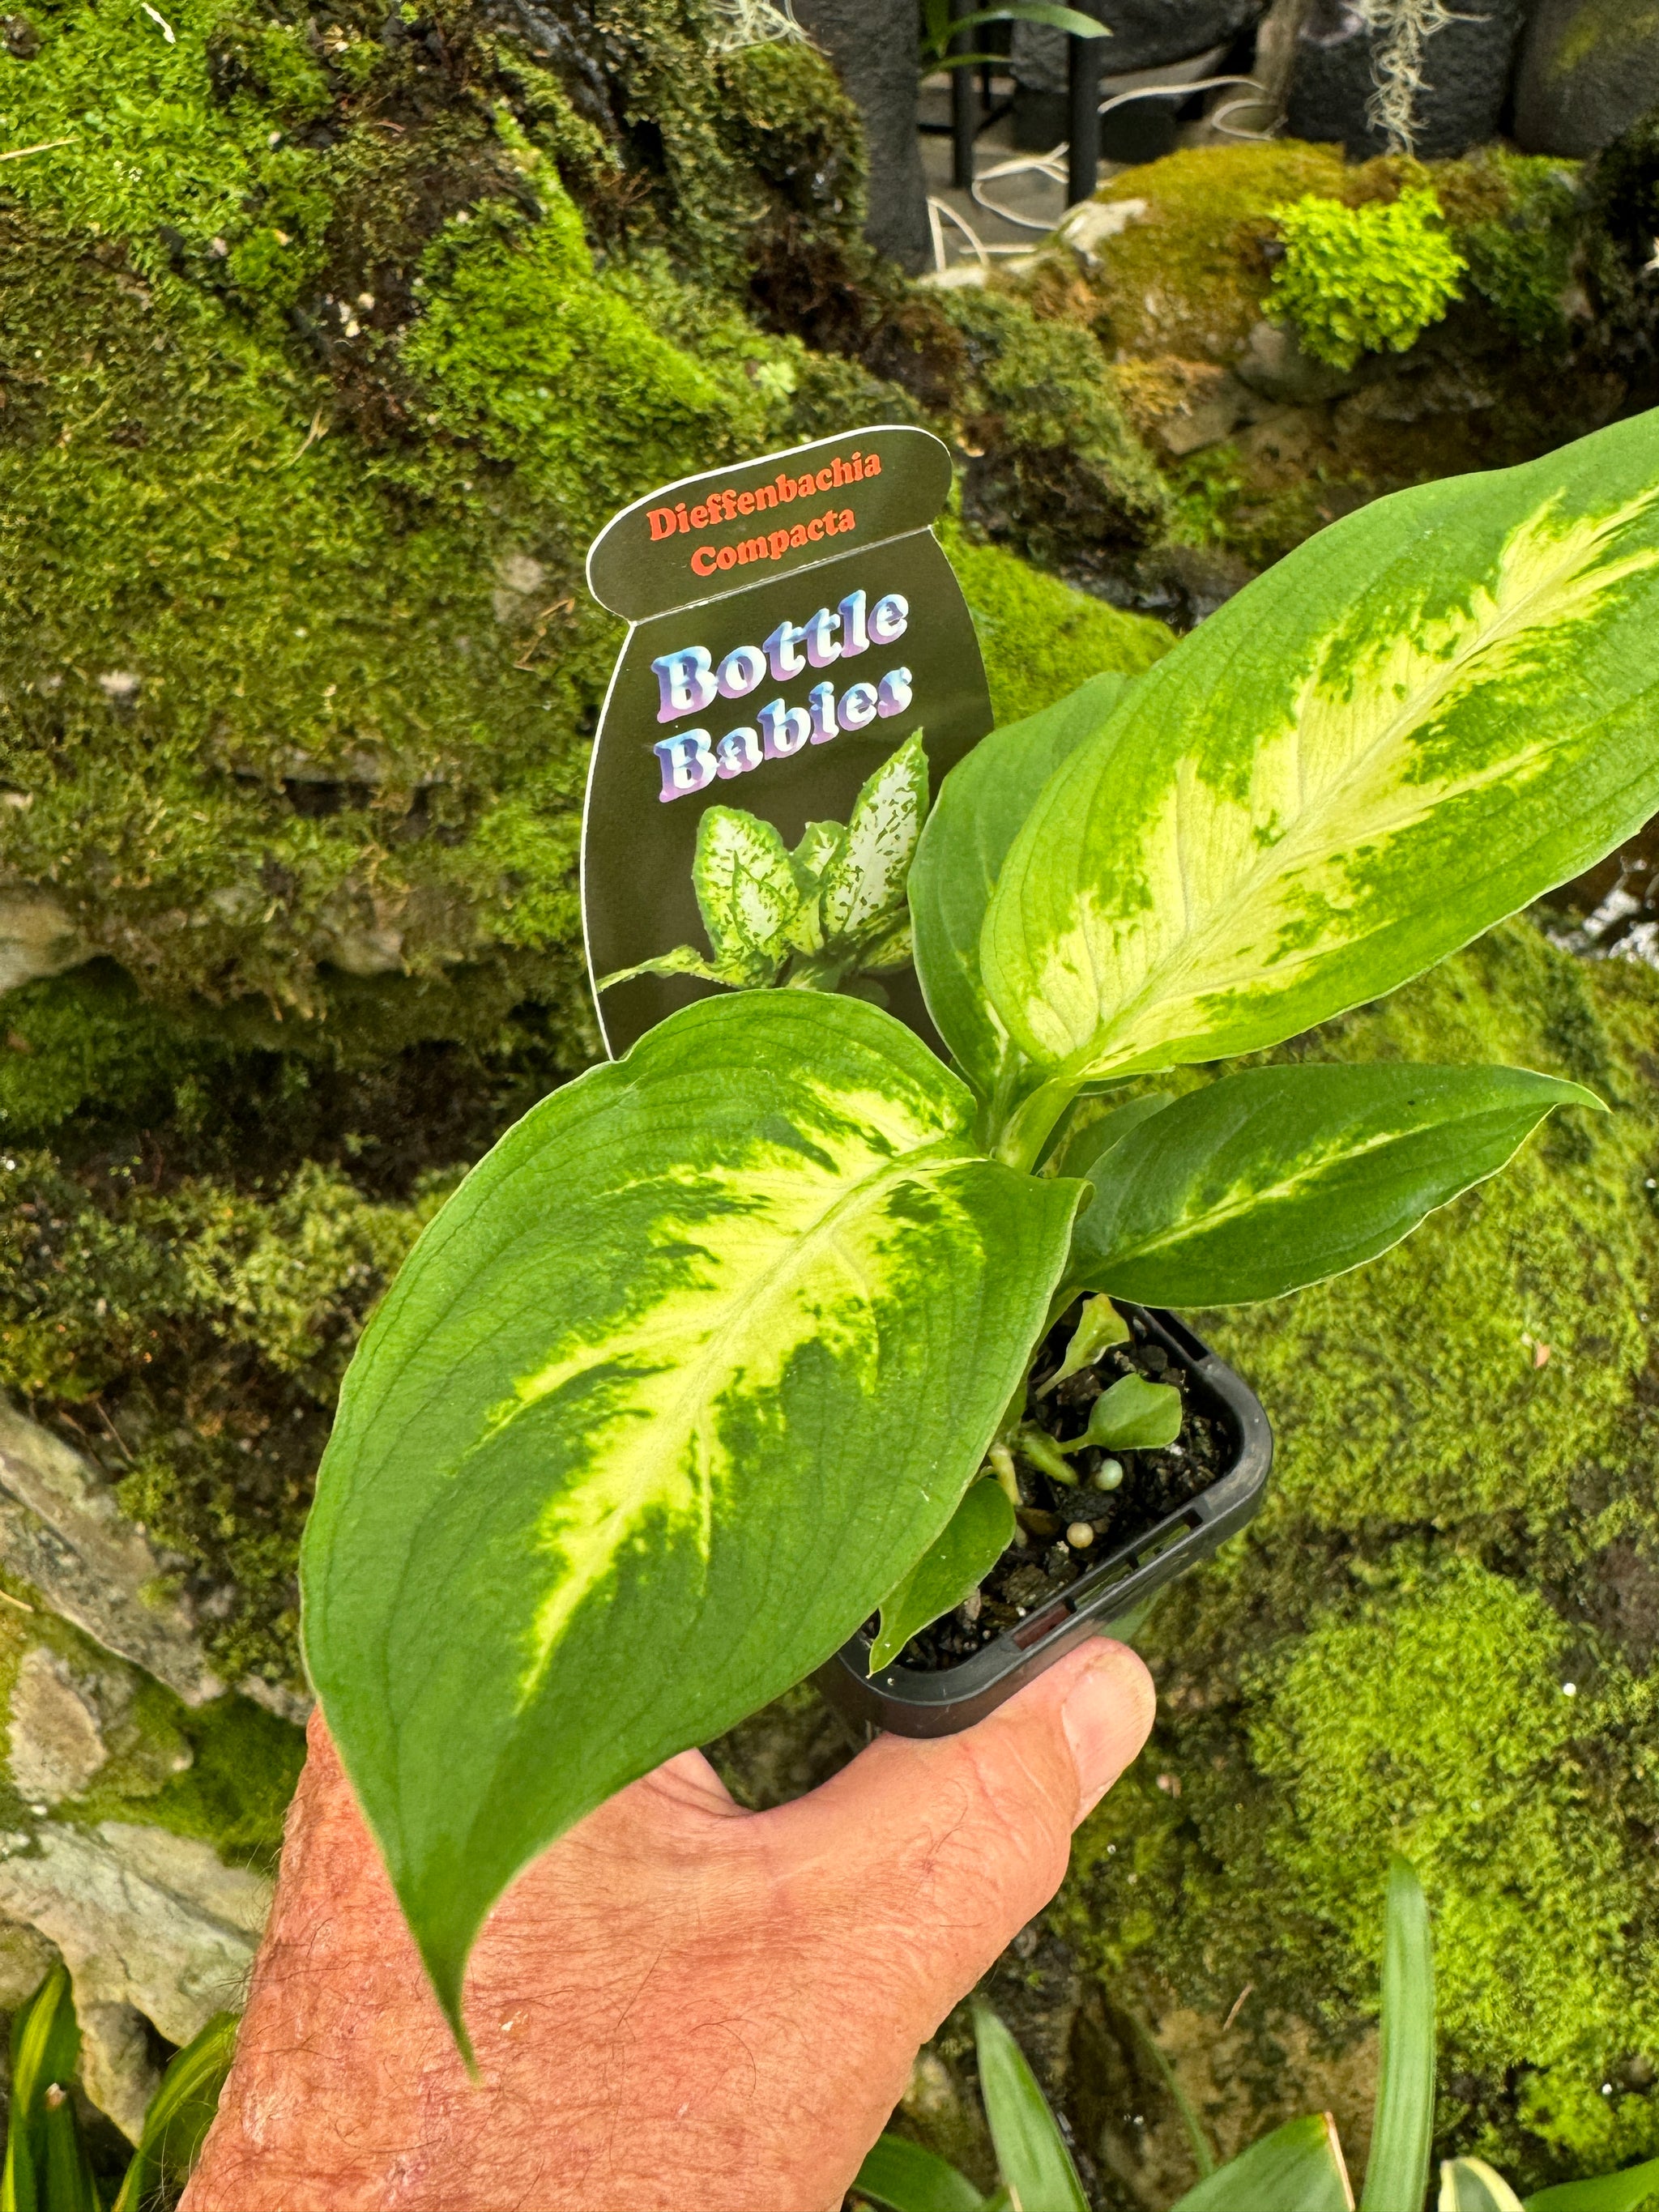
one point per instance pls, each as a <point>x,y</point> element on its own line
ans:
<point>1469,2185</point>
<point>70,2185</point>
<point>45,2050</point>
<point>1277,1177</point>
<point>971,1542</point>
<point>1427,715</point>
<point>1031,2151</point>
<point>976,818</point>
<point>1635,2189</point>
<point>180,2112</point>
<point>1397,2172</point>
<point>694,1366</point>
<point>1297,2169</point>
<point>907,2177</point>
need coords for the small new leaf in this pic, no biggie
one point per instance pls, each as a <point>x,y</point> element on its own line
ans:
<point>1134,1415</point>
<point>1099,1326</point>
<point>974,1538</point>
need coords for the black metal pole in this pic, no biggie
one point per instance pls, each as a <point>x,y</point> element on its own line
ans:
<point>1082,88</point>
<point>964,105</point>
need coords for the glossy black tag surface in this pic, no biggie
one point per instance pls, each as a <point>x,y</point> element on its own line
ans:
<point>795,623</point>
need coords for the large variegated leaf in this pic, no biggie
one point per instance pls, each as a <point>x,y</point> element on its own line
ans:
<point>693,1368</point>
<point>1425,716</point>
<point>1278,1176</point>
<point>976,818</point>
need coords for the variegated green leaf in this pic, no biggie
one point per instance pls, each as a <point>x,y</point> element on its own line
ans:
<point>864,881</point>
<point>1297,2169</point>
<point>1425,716</point>
<point>976,818</point>
<point>683,960</point>
<point>1277,1177</point>
<point>1469,2185</point>
<point>746,893</point>
<point>965,1550</point>
<point>819,845</point>
<point>696,1362</point>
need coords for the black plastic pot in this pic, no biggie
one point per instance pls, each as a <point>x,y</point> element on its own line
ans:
<point>909,1702</point>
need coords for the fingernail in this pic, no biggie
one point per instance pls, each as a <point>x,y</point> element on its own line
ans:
<point>1107,1714</point>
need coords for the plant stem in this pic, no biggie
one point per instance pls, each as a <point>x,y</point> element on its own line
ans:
<point>1040,1448</point>
<point>1020,1140</point>
<point>1007,1474</point>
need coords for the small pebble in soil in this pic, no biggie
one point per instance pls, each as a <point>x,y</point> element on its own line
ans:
<point>1079,1535</point>
<point>1107,1474</point>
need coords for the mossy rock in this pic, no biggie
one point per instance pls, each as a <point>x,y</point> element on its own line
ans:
<point>1439,1635</point>
<point>315,392</point>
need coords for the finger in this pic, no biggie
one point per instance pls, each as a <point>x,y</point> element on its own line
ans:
<point>941,1851</point>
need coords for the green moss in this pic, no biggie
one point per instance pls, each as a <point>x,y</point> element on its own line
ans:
<point>1058,472</point>
<point>1189,277</point>
<point>1363,280</point>
<point>1520,257</point>
<point>1039,638</point>
<point>244,1765</point>
<point>1453,1532</point>
<point>307,430</point>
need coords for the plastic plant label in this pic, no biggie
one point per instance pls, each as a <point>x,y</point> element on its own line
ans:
<point>793,622</point>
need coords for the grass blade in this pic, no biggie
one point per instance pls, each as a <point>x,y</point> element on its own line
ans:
<point>1397,2172</point>
<point>1031,2151</point>
<point>1297,2169</point>
<point>46,2048</point>
<point>906,2177</point>
<point>70,2184</point>
<point>180,2112</point>
<point>1628,2191</point>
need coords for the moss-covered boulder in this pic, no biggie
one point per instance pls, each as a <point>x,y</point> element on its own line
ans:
<point>1179,271</point>
<point>1438,1638</point>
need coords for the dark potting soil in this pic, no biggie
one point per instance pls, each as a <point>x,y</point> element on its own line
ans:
<point>1042,1560</point>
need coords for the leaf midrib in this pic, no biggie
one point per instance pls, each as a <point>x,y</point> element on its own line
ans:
<point>1296,849</point>
<point>1284,1191</point>
<point>794,1257</point>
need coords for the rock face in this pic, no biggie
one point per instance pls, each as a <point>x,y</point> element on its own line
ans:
<point>37,938</point>
<point>873,46</point>
<point>61,1531</point>
<point>1588,69</point>
<point>149,1923</point>
<point>56,1735</point>
<point>1402,76</point>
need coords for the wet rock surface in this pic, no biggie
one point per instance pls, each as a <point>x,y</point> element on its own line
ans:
<point>1588,70</point>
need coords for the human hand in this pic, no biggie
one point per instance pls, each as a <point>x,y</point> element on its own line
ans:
<point>680,2005</point>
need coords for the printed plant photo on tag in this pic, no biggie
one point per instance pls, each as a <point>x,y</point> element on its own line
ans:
<point>800,673</point>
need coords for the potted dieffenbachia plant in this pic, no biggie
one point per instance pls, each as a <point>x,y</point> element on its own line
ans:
<point>705,1355</point>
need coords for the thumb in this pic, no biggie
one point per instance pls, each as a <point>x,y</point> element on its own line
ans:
<point>943,1850</point>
